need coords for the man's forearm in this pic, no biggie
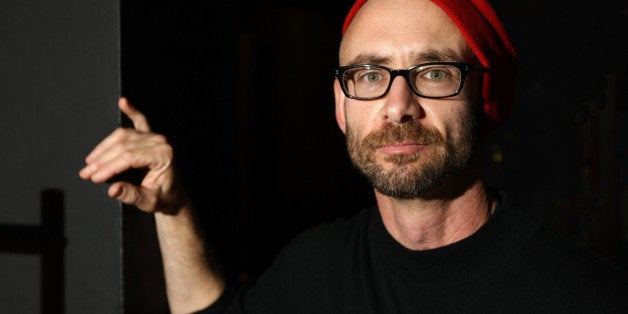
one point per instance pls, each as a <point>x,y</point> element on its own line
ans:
<point>191,282</point>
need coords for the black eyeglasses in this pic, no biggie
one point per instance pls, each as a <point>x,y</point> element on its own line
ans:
<point>428,80</point>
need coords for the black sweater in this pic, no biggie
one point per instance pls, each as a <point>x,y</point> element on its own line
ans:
<point>513,264</point>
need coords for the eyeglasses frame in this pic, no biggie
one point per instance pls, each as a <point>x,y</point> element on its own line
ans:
<point>464,68</point>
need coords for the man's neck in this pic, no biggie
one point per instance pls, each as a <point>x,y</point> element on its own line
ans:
<point>421,224</point>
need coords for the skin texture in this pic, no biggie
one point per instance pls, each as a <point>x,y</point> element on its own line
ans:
<point>420,154</point>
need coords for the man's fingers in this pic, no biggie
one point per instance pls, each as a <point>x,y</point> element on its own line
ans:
<point>109,158</point>
<point>106,144</point>
<point>139,120</point>
<point>125,149</point>
<point>101,172</point>
<point>132,195</point>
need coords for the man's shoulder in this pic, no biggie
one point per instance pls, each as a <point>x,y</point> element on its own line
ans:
<point>563,252</point>
<point>555,265</point>
<point>551,246</point>
<point>564,265</point>
<point>565,268</point>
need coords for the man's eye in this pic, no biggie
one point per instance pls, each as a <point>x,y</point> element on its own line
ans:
<point>436,74</point>
<point>372,77</point>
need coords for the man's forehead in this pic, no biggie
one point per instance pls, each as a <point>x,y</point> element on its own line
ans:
<point>414,57</point>
<point>413,8</point>
<point>401,15</point>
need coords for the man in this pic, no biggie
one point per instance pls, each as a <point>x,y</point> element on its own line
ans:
<point>421,83</point>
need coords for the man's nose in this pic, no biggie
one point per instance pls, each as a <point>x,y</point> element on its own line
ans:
<point>401,103</point>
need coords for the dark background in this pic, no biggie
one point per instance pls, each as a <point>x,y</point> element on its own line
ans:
<point>243,90</point>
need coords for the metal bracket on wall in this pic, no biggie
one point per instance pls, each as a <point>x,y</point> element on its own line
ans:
<point>47,240</point>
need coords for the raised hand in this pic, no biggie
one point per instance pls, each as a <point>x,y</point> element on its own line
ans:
<point>136,148</point>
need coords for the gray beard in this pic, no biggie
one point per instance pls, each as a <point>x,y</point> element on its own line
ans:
<point>407,179</point>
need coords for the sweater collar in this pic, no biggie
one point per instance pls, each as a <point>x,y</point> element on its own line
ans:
<point>468,259</point>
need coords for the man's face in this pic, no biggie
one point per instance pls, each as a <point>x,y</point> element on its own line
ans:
<point>408,146</point>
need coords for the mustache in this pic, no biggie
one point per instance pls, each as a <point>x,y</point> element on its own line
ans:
<point>405,132</point>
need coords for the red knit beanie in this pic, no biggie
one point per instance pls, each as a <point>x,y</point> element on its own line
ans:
<point>490,43</point>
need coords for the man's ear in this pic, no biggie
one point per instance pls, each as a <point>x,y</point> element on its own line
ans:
<point>340,107</point>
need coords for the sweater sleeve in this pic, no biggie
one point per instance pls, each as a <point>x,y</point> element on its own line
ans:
<point>224,301</point>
